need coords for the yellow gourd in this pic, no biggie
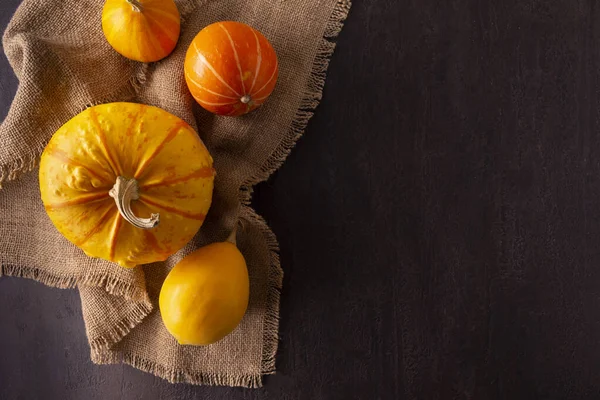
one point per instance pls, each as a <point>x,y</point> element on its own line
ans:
<point>142,30</point>
<point>126,182</point>
<point>205,295</point>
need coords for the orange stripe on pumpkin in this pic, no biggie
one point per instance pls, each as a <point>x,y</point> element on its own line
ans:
<point>163,28</point>
<point>170,136</point>
<point>77,201</point>
<point>206,172</point>
<point>151,240</point>
<point>154,42</point>
<point>173,38</point>
<point>137,116</point>
<point>105,217</point>
<point>175,17</point>
<point>114,235</point>
<point>64,157</point>
<point>114,165</point>
<point>174,210</point>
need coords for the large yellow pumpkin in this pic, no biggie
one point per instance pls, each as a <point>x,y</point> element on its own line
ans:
<point>126,182</point>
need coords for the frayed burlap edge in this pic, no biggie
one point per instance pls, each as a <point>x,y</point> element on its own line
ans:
<point>111,285</point>
<point>310,99</point>
<point>100,353</point>
<point>312,95</point>
<point>275,282</point>
<point>173,375</point>
<point>116,333</point>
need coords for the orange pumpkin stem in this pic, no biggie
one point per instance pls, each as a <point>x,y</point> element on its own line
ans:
<point>137,6</point>
<point>124,192</point>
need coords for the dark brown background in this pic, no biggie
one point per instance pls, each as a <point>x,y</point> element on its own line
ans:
<point>439,222</point>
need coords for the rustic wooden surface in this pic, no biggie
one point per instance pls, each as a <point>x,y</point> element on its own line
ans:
<point>439,222</point>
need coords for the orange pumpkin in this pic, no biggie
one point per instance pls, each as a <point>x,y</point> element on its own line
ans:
<point>126,182</point>
<point>230,68</point>
<point>142,30</point>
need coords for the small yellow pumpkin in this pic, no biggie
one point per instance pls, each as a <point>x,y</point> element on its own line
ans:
<point>205,295</point>
<point>142,30</point>
<point>126,182</point>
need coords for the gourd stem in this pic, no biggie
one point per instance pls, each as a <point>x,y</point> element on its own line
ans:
<point>246,99</point>
<point>137,6</point>
<point>233,235</point>
<point>124,192</point>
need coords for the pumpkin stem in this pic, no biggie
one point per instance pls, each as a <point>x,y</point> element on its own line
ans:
<point>233,235</point>
<point>246,99</point>
<point>124,191</point>
<point>137,6</point>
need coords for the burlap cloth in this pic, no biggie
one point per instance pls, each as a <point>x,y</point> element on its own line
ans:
<point>64,65</point>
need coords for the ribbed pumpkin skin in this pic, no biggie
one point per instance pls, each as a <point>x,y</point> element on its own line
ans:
<point>227,61</point>
<point>147,35</point>
<point>163,153</point>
